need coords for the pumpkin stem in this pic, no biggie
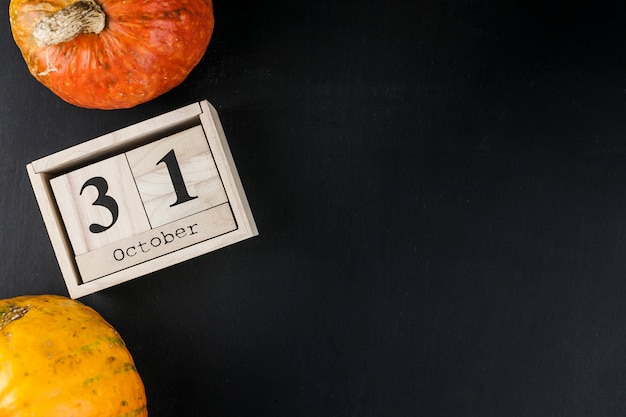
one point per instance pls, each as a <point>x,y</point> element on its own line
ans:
<point>83,16</point>
<point>13,313</point>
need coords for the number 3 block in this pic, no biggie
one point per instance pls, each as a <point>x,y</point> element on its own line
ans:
<point>142,198</point>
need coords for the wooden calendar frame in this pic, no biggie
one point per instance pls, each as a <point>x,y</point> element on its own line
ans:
<point>43,170</point>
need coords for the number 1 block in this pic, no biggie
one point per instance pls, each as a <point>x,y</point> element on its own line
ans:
<point>176,176</point>
<point>140,199</point>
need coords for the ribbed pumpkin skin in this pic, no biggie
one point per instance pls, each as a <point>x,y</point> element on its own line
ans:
<point>146,49</point>
<point>60,358</point>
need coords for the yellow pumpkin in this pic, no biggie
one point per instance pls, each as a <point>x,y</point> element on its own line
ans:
<point>60,358</point>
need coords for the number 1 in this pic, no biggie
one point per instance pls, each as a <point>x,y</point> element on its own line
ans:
<point>176,176</point>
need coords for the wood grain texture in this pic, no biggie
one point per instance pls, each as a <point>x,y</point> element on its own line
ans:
<point>141,248</point>
<point>79,212</point>
<point>154,181</point>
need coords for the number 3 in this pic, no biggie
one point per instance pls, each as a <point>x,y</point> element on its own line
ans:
<point>103,200</point>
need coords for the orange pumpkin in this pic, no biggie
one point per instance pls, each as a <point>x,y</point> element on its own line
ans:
<point>111,54</point>
<point>60,358</point>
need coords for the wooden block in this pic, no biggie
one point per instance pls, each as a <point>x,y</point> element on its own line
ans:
<point>99,204</point>
<point>142,198</point>
<point>176,176</point>
<point>153,243</point>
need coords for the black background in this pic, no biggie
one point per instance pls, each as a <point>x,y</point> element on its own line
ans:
<point>440,190</point>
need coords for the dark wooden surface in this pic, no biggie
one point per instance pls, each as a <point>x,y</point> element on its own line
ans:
<point>440,189</point>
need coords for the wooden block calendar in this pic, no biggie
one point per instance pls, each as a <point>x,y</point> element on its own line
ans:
<point>142,198</point>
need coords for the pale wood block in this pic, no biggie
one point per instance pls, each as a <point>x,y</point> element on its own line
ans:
<point>176,176</point>
<point>144,247</point>
<point>161,262</point>
<point>96,197</point>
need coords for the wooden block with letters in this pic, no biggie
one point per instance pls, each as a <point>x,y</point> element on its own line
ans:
<point>142,198</point>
